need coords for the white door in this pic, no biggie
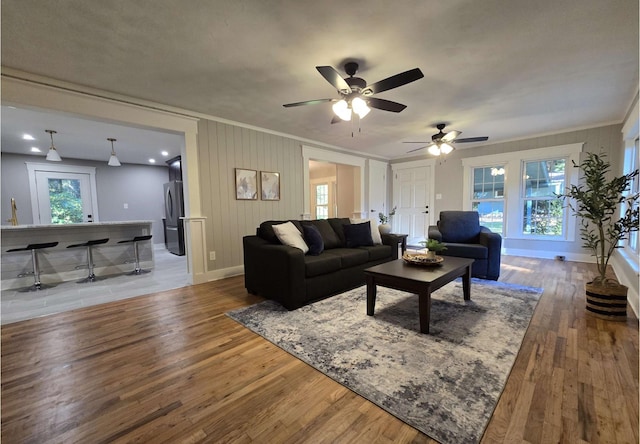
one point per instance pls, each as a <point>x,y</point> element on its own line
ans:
<point>411,190</point>
<point>377,188</point>
<point>63,198</point>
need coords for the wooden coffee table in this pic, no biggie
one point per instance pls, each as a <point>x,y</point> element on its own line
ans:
<point>418,280</point>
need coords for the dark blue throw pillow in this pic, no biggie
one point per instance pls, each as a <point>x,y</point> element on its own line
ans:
<point>358,235</point>
<point>313,238</point>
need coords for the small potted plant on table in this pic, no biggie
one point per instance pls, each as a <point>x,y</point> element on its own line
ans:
<point>384,226</point>
<point>433,246</point>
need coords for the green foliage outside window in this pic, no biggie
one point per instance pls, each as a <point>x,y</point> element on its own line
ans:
<point>66,201</point>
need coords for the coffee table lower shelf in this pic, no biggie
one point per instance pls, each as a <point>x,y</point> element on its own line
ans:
<point>418,280</point>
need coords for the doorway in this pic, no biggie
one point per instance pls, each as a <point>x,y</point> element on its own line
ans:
<point>412,189</point>
<point>62,194</point>
<point>334,190</point>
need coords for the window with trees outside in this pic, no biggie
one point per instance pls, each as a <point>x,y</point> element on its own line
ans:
<point>630,165</point>
<point>542,211</point>
<point>514,191</point>
<point>488,196</point>
<point>322,201</point>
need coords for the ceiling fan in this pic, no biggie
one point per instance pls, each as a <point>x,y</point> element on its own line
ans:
<point>356,95</point>
<point>442,143</point>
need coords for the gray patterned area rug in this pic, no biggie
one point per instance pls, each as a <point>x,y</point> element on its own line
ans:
<point>445,384</point>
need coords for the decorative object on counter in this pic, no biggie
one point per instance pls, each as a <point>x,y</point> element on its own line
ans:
<point>596,201</point>
<point>135,241</point>
<point>89,246</point>
<point>424,259</point>
<point>52,155</point>
<point>14,213</point>
<point>385,226</point>
<point>433,246</point>
<point>246,184</point>
<point>113,160</point>
<point>37,285</point>
<point>269,185</point>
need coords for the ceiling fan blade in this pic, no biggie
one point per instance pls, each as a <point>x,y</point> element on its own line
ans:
<point>472,139</point>
<point>418,149</point>
<point>450,136</point>
<point>332,76</point>
<point>309,102</point>
<point>386,105</point>
<point>416,142</point>
<point>394,81</point>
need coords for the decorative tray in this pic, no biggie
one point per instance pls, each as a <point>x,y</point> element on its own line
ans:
<point>421,259</point>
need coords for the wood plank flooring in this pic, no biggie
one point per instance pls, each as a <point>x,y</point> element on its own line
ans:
<point>171,367</point>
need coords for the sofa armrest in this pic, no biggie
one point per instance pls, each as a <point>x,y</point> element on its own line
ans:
<point>274,271</point>
<point>493,242</point>
<point>393,241</point>
<point>434,233</point>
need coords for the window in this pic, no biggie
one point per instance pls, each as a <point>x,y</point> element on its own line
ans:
<point>488,196</point>
<point>322,201</point>
<point>542,211</point>
<point>514,192</point>
<point>630,165</point>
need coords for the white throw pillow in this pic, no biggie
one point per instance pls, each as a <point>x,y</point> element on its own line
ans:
<point>288,234</point>
<point>375,233</point>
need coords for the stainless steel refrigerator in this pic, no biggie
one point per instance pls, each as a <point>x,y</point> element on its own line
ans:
<point>173,211</point>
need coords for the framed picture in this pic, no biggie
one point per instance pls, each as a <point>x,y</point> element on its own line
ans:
<point>270,185</point>
<point>246,184</point>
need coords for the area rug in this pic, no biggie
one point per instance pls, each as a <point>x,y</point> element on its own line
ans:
<point>445,384</point>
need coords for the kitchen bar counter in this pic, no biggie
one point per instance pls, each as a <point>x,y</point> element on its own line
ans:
<point>59,263</point>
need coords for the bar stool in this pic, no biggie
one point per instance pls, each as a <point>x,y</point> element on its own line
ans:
<point>89,246</point>
<point>37,285</point>
<point>135,241</point>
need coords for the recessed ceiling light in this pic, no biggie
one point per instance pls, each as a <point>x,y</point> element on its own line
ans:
<point>35,149</point>
<point>28,137</point>
<point>165,153</point>
<point>152,160</point>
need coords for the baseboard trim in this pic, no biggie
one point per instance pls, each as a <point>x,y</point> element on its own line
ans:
<point>541,254</point>
<point>215,275</point>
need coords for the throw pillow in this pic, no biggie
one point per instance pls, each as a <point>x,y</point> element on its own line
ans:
<point>288,234</point>
<point>375,233</point>
<point>313,238</point>
<point>358,235</point>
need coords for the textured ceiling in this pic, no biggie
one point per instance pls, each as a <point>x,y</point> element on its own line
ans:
<point>504,69</point>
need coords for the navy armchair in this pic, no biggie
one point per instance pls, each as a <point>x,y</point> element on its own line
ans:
<point>463,235</point>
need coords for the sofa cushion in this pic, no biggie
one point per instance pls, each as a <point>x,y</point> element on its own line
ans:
<point>349,257</point>
<point>337,223</point>
<point>377,252</point>
<point>265,230</point>
<point>313,238</point>
<point>329,236</point>
<point>459,226</point>
<point>358,235</point>
<point>322,264</point>
<point>472,251</point>
<point>375,232</point>
<point>288,234</point>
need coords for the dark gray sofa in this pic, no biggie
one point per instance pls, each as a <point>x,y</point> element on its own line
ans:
<point>285,274</point>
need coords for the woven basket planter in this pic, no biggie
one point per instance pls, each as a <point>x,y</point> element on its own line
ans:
<point>607,302</point>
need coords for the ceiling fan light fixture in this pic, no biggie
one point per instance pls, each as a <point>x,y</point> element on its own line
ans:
<point>52,155</point>
<point>113,159</point>
<point>360,107</point>
<point>342,110</point>
<point>434,150</point>
<point>445,148</point>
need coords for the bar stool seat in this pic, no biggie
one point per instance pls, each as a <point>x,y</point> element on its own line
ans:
<point>89,246</point>
<point>37,285</point>
<point>135,241</point>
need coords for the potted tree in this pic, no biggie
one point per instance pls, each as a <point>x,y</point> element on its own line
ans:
<point>597,201</point>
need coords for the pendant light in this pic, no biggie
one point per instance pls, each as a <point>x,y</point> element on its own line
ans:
<point>113,160</point>
<point>52,155</point>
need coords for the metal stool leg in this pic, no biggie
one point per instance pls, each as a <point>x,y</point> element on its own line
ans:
<point>137,270</point>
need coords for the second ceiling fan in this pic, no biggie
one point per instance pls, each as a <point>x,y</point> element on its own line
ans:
<point>356,95</point>
<point>442,143</point>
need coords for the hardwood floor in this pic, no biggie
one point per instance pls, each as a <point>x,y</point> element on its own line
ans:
<point>171,367</point>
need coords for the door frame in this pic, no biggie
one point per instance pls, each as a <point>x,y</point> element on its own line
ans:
<point>33,167</point>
